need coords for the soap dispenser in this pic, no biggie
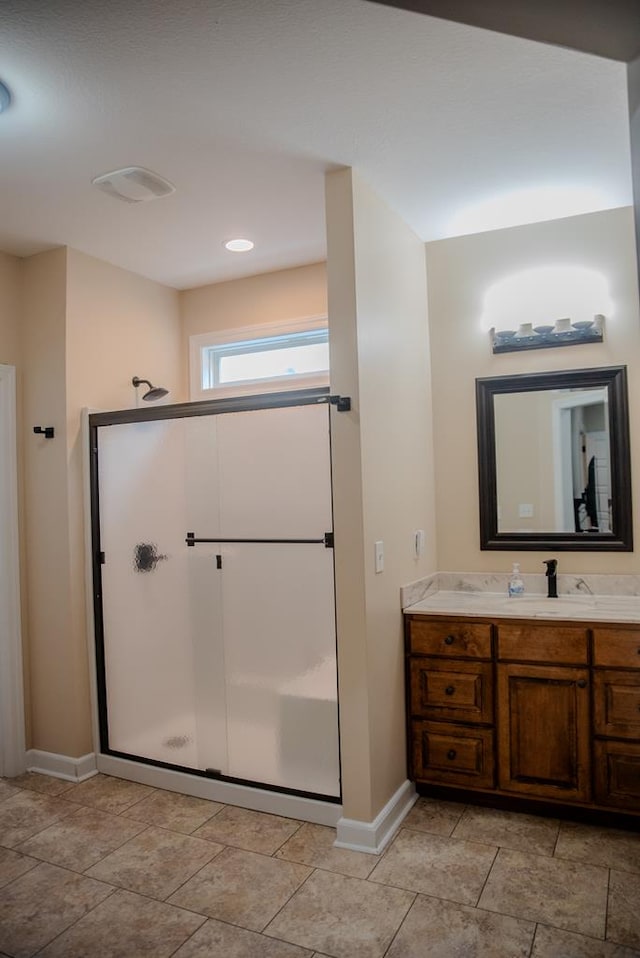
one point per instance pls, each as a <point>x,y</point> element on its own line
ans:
<point>516,582</point>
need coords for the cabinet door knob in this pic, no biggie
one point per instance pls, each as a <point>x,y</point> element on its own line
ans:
<point>582,683</point>
<point>449,690</point>
<point>450,639</point>
<point>451,754</point>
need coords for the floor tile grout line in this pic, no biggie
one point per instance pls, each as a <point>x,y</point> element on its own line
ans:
<point>77,920</point>
<point>457,824</point>
<point>13,848</point>
<point>606,906</point>
<point>293,834</point>
<point>100,859</point>
<point>486,879</point>
<point>189,937</point>
<point>187,880</point>
<point>112,851</point>
<point>397,931</point>
<point>292,895</point>
<point>555,844</point>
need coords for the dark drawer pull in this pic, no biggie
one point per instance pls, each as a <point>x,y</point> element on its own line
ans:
<point>451,754</point>
<point>449,690</point>
<point>582,683</point>
<point>450,639</point>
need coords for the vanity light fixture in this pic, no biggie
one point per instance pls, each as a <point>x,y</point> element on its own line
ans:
<point>562,333</point>
<point>239,245</point>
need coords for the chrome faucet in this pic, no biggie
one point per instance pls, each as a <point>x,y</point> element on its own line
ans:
<point>552,583</point>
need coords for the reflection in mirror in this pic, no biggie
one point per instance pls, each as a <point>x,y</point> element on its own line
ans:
<point>553,464</point>
<point>554,461</point>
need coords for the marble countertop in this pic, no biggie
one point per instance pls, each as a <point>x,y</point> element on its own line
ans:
<point>592,608</point>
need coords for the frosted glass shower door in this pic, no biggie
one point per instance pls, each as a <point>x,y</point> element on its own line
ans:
<point>278,598</point>
<point>216,638</point>
<point>161,604</point>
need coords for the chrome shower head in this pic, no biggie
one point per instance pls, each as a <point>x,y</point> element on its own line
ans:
<point>153,393</point>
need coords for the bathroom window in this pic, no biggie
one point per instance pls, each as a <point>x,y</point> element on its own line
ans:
<point>259,359</point>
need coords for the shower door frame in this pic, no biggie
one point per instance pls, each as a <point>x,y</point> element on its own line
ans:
<point>96,420</point>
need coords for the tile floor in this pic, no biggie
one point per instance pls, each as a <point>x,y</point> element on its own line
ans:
<point>111,869</point>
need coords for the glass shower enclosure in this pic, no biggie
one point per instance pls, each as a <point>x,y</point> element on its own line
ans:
<point>214,589</point>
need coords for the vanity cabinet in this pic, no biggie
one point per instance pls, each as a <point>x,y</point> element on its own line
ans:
<point>544,741</point>
<point>616,657</point>
<point>530,708</point>
<point>544,733</point>
<point>451,692</point>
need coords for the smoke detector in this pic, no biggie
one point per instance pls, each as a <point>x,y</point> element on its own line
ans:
<point>134,184</point>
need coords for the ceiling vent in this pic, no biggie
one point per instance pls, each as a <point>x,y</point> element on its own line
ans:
<point>134,184</point>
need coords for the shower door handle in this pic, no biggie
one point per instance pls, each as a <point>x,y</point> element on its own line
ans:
<point>146,557</point>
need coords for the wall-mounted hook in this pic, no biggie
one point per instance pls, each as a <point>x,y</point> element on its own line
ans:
<point>47,431</point>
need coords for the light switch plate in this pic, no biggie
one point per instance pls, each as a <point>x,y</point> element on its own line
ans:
<point>379,556</point>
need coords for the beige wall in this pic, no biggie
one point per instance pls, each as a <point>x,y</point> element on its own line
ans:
<point>9,310</point>
<point>524,460</point>
<point>11,355</point>
<point>58,698</point>
<point>460,271</point>
<point>383,479</point>
<point>287,294</point>
<point>88,328</point>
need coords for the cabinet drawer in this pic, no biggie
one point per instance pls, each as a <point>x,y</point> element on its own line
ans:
<point>543,643</point>
<point>469,640</point>
<point>619,648</point>
<point>455,690</point>
<point>453,754</point>
<point>617,703</point>
<point>617,778</point>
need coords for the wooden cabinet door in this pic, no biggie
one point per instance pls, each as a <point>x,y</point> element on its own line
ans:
<point>618,774</point>
<point>544,731</point>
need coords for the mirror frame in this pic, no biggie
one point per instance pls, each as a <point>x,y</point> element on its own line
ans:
<point>615,379</point>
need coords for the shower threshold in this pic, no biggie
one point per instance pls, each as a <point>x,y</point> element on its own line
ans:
<point>319,811</point>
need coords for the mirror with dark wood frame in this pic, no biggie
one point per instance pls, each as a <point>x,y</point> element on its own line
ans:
<point>554,461</point>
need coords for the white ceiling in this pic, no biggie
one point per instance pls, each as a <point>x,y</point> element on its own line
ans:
<point>244,104</point>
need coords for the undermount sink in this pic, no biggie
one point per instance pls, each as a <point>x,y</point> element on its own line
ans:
<point>540,603</point>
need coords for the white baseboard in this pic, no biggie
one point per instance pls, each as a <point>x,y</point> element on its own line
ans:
<point>374,836</point>
<point>61,766</point>
<point>259,799</point>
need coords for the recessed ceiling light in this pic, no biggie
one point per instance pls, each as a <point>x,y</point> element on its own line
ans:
<point>5,96</point>
<point>238,245</point>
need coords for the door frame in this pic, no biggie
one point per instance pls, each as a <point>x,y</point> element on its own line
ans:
<point>12,725</point>
<point>562,450</point>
